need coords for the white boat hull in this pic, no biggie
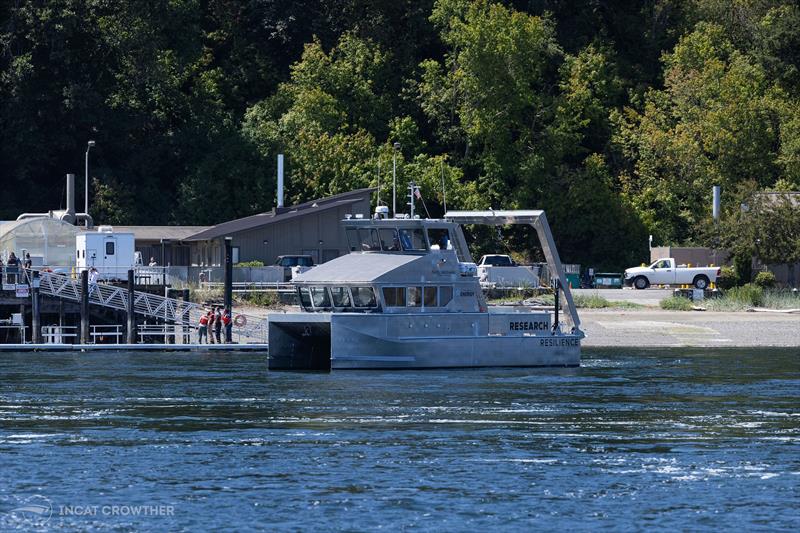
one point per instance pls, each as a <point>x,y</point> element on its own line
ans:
<point>322,341</point>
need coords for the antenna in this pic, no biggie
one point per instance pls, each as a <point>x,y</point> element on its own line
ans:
<point>444,192</point>
<point>394,178</point>
<point>411,188</point>
<point>379,180</point>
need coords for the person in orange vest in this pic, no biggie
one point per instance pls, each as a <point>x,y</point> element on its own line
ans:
<point>228,323</point>
<point>202,331</point>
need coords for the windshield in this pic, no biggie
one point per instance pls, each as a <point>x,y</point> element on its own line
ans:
<point>413,239</point>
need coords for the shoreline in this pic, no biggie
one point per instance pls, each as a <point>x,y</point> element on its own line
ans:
<point>609,328</point>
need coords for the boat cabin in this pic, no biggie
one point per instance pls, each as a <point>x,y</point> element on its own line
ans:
<point>396,266</point>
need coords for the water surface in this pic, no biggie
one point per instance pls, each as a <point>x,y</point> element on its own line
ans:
<point>696,439</point>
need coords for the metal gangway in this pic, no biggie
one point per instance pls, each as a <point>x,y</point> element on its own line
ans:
<point>251,329</point>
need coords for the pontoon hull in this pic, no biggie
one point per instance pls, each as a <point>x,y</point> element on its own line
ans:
<point>324,341</point>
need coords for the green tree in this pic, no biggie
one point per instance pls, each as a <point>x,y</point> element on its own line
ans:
<point>766,228</point>
<point>715,123</point>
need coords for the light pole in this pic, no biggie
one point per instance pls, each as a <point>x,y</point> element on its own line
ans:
<point>394,179</point>
<point>86,184</point>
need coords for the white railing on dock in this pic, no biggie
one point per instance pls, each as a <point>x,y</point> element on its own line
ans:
<point>172,311</point>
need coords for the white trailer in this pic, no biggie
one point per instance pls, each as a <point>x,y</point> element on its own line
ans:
<point>112,254</point>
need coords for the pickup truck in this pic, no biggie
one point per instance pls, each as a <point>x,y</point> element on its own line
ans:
<point>497,260</point>
<point>294,264</point>
<point>496,270</point>
<point>664,272</point>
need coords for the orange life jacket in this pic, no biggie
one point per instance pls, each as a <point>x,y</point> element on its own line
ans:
<point>204,320</point>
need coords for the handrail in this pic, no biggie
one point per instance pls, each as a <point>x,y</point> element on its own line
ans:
<point>171,310</point>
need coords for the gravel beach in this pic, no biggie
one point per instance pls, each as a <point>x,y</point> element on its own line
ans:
<point>651,327</point>
<point>658,328</point>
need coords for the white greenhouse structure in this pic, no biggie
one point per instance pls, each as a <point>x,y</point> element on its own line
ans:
<point>49,241</point>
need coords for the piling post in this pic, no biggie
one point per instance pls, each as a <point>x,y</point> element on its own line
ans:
<point>556,302</point>
<point>185,328</point>
<point>85,307</point>
<point>36,317</point>
<point>228,281</point>
<point>131,333</point>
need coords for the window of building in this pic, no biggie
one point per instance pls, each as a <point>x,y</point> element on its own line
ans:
<point>413,239</point>
<point>414,297</point>
<point>340,297</point>
<point>235,254</point>
<point>430,296</point>
<point>363,297</point>
<point>110,247</point>
<point>445,295</point>
<point>319,297</point>
<point>394,296</point>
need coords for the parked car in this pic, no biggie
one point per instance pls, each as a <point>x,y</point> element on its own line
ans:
<point>294,264</point>
<point>665,272</point>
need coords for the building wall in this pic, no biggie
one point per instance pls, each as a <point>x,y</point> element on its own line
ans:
<point>318,234</point>
<point>174,254</point>
<point>696,256</point>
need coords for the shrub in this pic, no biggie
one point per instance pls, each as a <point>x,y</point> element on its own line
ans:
<point>250,264</point>
<point>727,278</point>
<point>748,295</point>
<point>259,299</point>
<point>676,303</point>
<point>765,279</point>
<point>206,295</point>
<point>593,301</point>
<point>781,299</point>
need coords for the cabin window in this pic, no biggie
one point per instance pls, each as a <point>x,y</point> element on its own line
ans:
<point>394,296</point>
<point>445,295</point>
<point>363,297</point>
<point>109,247</point>
<point>414,297</point>
<point>305,298</point>
<point>440,239</point>
<point>389,239</point>
<point>340,297</point>
<point>319,297</point>
<point>363,239</point>
<point>429,294</point>
<point>412,239</point>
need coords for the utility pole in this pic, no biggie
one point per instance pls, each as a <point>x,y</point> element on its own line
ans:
<point>89,146</point>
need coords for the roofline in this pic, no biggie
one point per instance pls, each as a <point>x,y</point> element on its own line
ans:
<point>264,219</point>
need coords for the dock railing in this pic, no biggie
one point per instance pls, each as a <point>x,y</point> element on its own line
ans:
<point>251,329</point>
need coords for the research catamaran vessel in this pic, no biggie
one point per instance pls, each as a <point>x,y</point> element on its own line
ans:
<point>408,296</point>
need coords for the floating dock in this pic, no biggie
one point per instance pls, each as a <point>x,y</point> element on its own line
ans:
<point>29,347</point>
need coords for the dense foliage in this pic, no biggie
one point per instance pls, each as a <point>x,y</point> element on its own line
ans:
<point>616,117</point>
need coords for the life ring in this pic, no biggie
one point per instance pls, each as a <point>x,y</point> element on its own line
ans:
<point>240,321</point>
